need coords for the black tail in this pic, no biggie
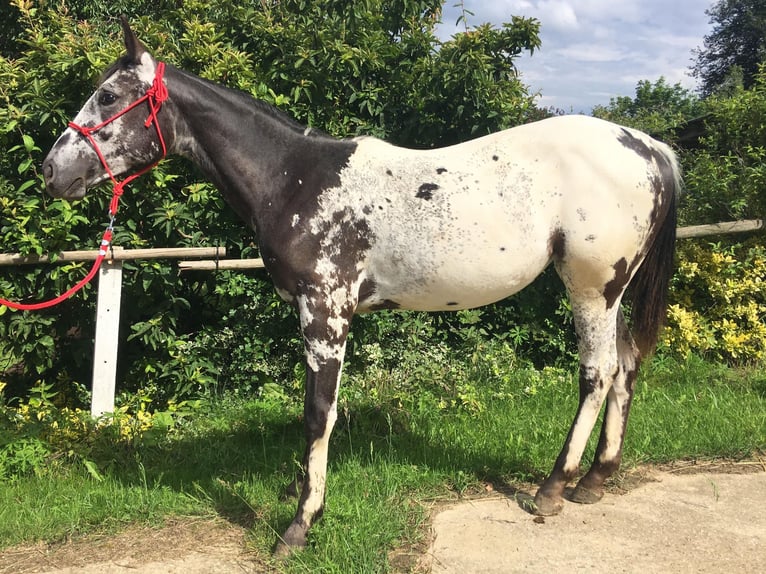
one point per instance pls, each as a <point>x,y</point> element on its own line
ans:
<point>652,280</point>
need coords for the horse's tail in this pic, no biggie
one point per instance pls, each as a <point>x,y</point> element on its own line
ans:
<point>652,280</point>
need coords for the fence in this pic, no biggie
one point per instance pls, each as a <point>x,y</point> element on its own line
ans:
<point>108,306</point>
<point>110,290</point>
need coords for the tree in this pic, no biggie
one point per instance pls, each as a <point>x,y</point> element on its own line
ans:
<point>726,175</point>
<point>738,40</point>
<point>657,108</point>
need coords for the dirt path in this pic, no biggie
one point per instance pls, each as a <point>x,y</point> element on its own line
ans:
<point>704,522</point>
<point>192,546</point>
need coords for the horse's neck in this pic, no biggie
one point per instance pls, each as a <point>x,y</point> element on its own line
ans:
<point>241,146</point>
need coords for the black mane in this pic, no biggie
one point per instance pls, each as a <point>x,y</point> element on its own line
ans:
<point>259,105</point>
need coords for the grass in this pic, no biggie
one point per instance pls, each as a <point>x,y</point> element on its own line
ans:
<point>390,458</point>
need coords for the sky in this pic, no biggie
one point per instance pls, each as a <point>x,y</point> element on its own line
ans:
<point>594,50</point>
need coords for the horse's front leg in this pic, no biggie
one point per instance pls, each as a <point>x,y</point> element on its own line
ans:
<point>325,331</point>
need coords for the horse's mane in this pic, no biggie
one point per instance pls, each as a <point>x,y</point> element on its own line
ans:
<point>248,100</point>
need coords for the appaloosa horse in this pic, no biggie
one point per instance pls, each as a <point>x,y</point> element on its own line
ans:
<point>354,225</point>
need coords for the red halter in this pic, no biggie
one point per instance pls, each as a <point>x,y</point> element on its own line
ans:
<point>155,95</point>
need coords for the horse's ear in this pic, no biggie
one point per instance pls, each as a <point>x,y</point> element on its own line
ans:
<point>132,44</point>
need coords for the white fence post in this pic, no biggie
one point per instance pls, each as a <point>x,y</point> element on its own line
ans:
<point>107,331</point>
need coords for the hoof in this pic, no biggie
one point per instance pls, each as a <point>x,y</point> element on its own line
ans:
<point>548,505</point>
<point>283,551</point>
<point>292,542</point>
<point>583,495</point>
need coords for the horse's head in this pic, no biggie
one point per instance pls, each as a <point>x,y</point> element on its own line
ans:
<point>126,141</point>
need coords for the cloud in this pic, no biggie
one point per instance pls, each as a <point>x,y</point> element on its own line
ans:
<point>559,15</point>
<point>594,50</point>
<point>592,53</point>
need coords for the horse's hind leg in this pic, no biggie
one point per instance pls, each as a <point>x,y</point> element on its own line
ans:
<point>596,333</point>
<point>590,488</point>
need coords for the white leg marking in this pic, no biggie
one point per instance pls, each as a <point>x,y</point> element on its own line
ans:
<point>317,467</point>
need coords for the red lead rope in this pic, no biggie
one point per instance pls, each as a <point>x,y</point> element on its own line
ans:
<point>155,96</point>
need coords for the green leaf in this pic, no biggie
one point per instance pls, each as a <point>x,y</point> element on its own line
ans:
<point>93,471</point>
<point>29,143</point>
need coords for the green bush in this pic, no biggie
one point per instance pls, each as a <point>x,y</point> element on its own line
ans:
<point>373,67</point>
<point>718,302</point>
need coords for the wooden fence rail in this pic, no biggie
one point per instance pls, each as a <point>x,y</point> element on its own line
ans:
<point>682,233</point>
<point>719,228</point>
<point>110,291</point>
<point>118,254</point>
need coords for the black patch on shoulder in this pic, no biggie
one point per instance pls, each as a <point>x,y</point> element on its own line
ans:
<point>441,170</point>
<point>426,191</point>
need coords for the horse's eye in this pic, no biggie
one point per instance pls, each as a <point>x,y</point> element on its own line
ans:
<point>107,98</point>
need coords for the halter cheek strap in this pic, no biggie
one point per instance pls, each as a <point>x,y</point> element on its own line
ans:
<point>155,96</point>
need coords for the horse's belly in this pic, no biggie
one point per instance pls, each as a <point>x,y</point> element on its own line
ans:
<point>451,282</point>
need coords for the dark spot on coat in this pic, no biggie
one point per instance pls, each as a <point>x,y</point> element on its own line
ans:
<point>502,249</point>
<point>389,172</point>
<point>637,145</point>
<point>64,139</point>
<point>367,209</point>
<point>426,190</point>
<point>385,304</point>
<point>452,303</point>
<point>367,289</point>
<point>590,381</point>
<point>441,170</point>
<point>590,238</point>
<point>557,244</point>
<point>622,274</point>
<point>495,158</point>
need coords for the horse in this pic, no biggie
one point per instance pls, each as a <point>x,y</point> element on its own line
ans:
<point>354,225</point>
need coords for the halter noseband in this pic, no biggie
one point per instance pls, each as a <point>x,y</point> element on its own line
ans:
<point>155,96</point>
